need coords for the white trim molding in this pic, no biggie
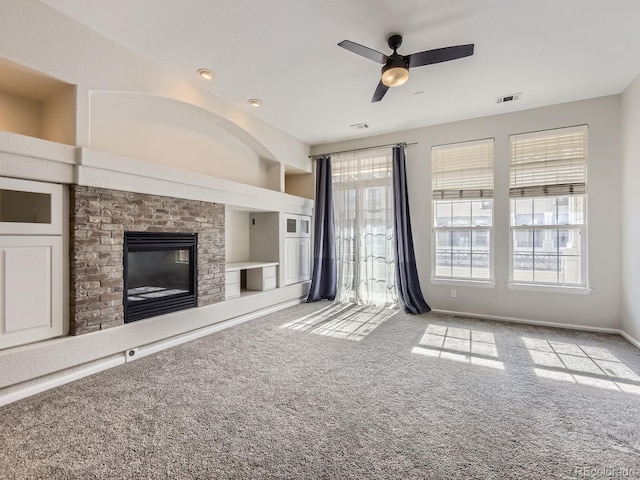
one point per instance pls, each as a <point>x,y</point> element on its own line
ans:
<point>630,339</point>
<point>461,282</point>
<point>536,287</point>
<point>524,321</point>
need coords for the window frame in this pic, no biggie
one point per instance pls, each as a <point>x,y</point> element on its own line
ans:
<point>580,227</point>
<point>471,227</point>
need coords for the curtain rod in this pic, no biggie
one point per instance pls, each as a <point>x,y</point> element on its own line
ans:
<point>364,148</point>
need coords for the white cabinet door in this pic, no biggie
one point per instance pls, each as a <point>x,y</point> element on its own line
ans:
<point>291,225</point>
<point>232,284</point>
<point>291,261</point>
<point>304,259</point>
<point>30,289</point>
<point>30,208</point>
<point>304,226</point>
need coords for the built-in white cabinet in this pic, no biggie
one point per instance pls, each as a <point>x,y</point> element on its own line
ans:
<point>266,250</point>
<point>252,251</point>
<point>263,278</point>
<point>232,284</point>
<point>31,262</point>
<point>304,252</point>
<point>258,276</point>
<point>30,208</point>
<point>292,266</point>
<point>30,289</point>
<point>297,248</point>
<point>297,226</point>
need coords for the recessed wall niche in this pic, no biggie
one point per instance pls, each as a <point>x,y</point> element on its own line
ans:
<point>36,105</point>
<point>300,184</point>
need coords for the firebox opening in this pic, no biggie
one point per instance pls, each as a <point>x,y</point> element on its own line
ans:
<point>159,273</point>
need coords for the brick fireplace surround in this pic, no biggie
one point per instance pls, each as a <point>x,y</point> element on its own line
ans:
<point>99,218</point>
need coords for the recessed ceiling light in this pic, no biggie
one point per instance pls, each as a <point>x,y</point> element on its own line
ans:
<point>255,102</point>
<point>206,73</point>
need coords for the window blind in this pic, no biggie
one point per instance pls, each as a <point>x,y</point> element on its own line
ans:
<point>361,165</point>
<point>549,163</point>
<point>463,170</point>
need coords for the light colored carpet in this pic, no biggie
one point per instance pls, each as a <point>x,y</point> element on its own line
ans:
<point>424,396</point>
<point>347,321</point>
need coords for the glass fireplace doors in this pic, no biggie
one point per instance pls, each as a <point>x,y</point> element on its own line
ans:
<point>160,273</point>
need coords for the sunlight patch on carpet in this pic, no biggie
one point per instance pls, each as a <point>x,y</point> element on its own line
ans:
<point>462,345</point>
<point>585,365</point>
<point>347,321</point>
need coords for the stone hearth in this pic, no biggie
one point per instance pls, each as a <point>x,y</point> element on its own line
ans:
<point>99,218</point>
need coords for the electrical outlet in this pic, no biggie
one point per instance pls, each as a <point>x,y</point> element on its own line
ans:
<point>453,293</point>
<point>131,354</point>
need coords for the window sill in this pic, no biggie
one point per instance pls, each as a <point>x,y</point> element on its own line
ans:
<point>549,288</point>
<point>463,283</point>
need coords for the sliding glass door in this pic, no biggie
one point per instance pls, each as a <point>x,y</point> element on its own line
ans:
<point>363,209</point>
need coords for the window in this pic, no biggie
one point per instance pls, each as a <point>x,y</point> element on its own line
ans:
<point>463,210</point>
<point>548,181</point>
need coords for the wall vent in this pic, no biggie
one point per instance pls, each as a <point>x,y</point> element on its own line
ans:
<point>509,98</point>
<point>359,126</point>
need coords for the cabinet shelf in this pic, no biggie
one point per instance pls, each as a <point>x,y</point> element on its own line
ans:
<point>258,277</point>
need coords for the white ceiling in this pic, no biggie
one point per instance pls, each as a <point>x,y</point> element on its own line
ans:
<point>285,52</point>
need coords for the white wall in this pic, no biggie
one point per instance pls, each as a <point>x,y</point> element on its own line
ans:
<point>631,209</point>
<point>601,308</point>
<point>59,115</point>
<point>20,115</point>
<point>236,236</point>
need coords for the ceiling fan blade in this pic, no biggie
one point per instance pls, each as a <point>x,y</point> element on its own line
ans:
<point>364,51</point>
<point>439,55</point>
<point>379,93</point>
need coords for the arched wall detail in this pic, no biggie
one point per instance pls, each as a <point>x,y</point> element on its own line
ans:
<point>175,133</point>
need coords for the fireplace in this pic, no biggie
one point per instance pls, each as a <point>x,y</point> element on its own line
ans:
<point>159,273</point>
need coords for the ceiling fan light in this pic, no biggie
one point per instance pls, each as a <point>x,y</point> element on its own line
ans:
<point>394,76</point>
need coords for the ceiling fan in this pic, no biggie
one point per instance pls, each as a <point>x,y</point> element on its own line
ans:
<point>395,70</point>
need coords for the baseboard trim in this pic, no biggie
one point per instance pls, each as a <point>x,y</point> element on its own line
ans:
<point>26,389</point>
<point>32,387</point>
<point>630,339</point>
<point>203,332</point>
<point>530,322</point>
<point>540,323</point>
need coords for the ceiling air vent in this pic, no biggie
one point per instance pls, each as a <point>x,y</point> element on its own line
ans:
<point>509,98</point>
<point>359,126</point>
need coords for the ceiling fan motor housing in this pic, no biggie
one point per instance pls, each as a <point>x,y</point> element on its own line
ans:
<point>394,42</point>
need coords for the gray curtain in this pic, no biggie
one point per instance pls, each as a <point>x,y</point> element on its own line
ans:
<point>407,282</point>
<point>324,277</point>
